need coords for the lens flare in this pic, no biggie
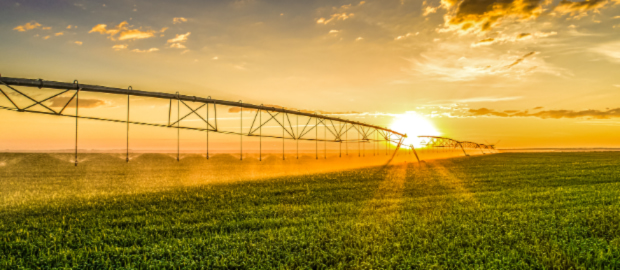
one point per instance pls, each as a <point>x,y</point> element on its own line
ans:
<point>414,125</point>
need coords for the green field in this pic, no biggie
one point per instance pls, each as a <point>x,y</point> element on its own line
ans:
<point>511,210</point>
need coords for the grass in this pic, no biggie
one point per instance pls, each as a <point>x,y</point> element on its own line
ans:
<point>520,211</point>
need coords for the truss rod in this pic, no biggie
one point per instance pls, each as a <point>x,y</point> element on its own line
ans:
<point>111,90</point>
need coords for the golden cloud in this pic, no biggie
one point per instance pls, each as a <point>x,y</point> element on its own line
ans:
<point>119,47</point>
<point>59,102</point>
<point>509,38</point>
<point>406,36</point>
<point>180,38</point>
<point>519,60</point>
<point>178,20</point>
<point>247,110</point>
<point>177,46</point>
<point>102,29</point>
<point>335,17</point>
<point>136,34</point>
<point>523,35</point>
<point>78,42</point>
<point>578,9</point>
<point>28,26</point>
<point>145,51</point>
<point>125,32</point>
<point>550,114</point>
<point>481,16</point>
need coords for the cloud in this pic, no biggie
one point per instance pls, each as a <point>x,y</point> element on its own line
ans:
<point>429,10</point>
<point>177,46</point>
<point>178,20</point>
<point>119,47</point>
<point>123,29</point>
<point>503,38</point>
<point>334,31</point>
<point>519,60</point>
<point>406,36</point>
<point>78,43</point>
<point>480,16</point>
<point>487,112</point>
<point>538,108</point>
<point>46,37</point>
<point>550,114</point>
<point>578,9</point>
<point>238,109</point>
<point>59,34</point>
<point>180,38</point>
<point>145,51</point>
<point>486,99</point>
<point>610,49</point>
<point>59,102</point>
<point>359,39</point>
<point>446,65</point>
<point>523,35</point>
<point>335,17</point>
<point>136,34</point>
<point>28,26</point>
<point>486,41</point>
<point>102,29</point>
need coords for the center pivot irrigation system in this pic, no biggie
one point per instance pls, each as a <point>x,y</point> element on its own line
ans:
<point>206,109</point>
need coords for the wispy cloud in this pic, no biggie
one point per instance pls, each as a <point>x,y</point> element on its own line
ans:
<point>123,29</point>
<point>444,66</point>
<point>136,34</point>
<point>472,16</point>
<point>102,29</point>
<point>406,36</point>
<point>335,17</point>
<point>180,38</point>
<point>145,51</point>
<point>28,26</point>
<point>119,47</point>
<point>519,60</point>
<point>177,46</point>
<point>503,38</point>
<point>178,20</point>
<point>550,114</point>
<point>579,9</point>
<point>486,99</point>
<point>610,49</point>
<point>61,101</point>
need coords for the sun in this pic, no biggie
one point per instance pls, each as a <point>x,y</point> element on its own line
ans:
<point>414,125</point>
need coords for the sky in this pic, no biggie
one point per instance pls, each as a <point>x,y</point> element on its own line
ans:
<point>526,73</point>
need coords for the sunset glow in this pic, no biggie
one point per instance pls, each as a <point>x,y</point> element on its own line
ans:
<point>414,125</point>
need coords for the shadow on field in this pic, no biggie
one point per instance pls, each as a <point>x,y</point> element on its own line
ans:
<point>40,177</point>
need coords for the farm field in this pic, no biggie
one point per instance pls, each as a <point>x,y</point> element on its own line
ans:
<point>509,210</point>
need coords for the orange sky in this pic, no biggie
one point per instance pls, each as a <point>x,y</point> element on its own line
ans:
<point>527,73</point>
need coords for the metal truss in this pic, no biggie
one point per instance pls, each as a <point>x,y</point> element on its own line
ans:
<point>339,129</point>
<point>447,143</point>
